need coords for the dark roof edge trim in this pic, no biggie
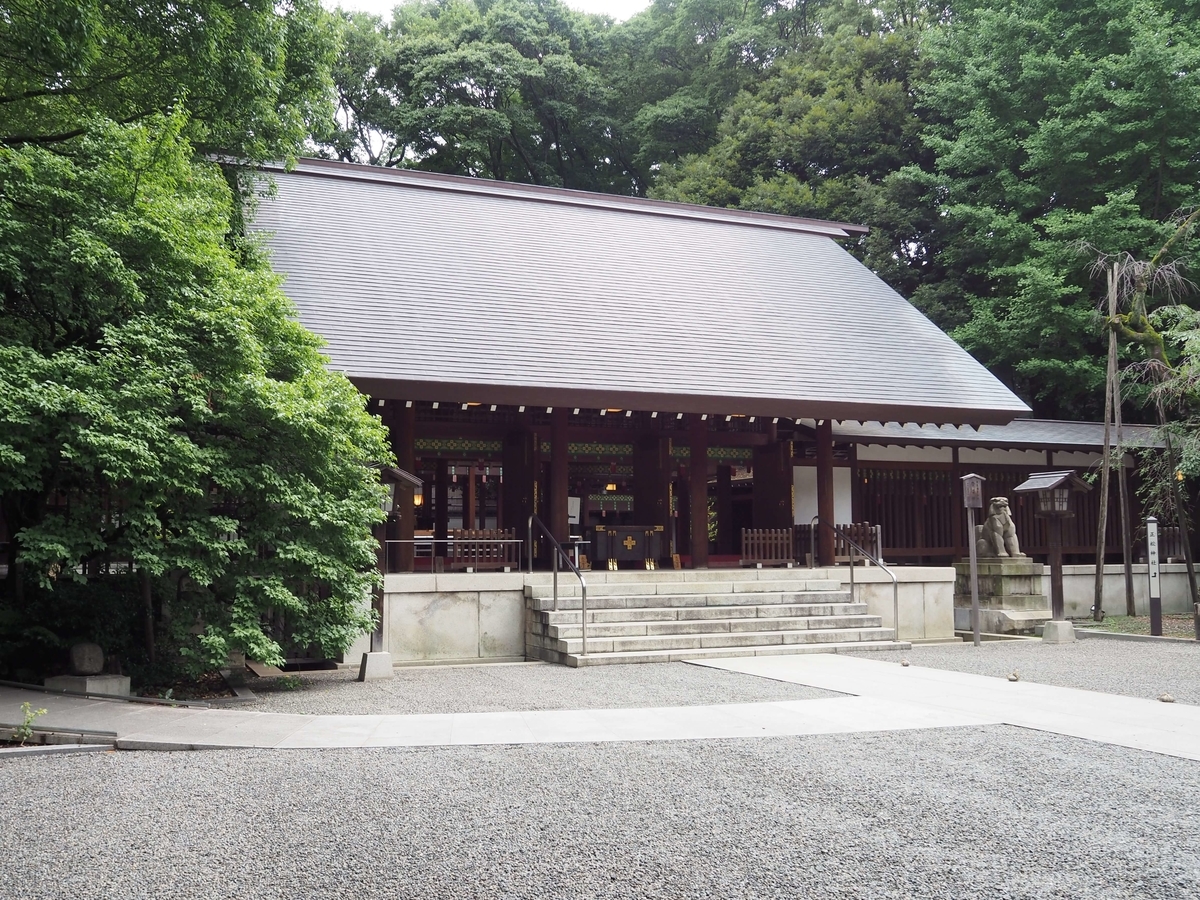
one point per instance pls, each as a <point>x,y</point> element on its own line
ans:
<point>327,168</point>
<point>650,401</point>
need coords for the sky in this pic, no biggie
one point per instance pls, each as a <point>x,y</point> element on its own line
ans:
<point>618,9</point>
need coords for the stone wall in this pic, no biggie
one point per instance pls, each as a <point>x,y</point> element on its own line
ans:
<point>454,617</point>
<point>926,595</point>
<point>1079,589</point>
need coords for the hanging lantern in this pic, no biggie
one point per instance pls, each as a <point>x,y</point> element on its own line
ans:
<point>454,474</point>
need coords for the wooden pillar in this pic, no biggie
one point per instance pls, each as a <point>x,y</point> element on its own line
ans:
<point>773,486</point>
<point>825,508</point>
<point>469,499</point>
<point>406,514</point>
<point>518,479</point>
<point>699,492</point>
<point>559,485</point>
<point>652,480</point>
<point>960,514</point>
<point>726,542</point>
<point>683,513</point>
<point>441,505</point>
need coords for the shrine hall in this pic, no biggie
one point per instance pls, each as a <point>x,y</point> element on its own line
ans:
<point>601,360</point>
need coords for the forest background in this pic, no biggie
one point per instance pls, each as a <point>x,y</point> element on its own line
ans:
<point>161,407</point>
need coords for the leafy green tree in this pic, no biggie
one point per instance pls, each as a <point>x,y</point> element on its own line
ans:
<point>162,406</point>
<point>253,74</point>
<point>824,134</point>
<point>1054,125</point>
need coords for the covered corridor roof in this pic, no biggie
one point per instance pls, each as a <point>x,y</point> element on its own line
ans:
<point>433,287</point>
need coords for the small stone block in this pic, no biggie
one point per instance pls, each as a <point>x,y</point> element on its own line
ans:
<point>375,667</point>
<point>87,659</point>
<point>90,684</point>
<point>1056,632</point>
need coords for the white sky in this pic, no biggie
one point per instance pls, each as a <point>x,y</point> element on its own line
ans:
<point>618,9</point>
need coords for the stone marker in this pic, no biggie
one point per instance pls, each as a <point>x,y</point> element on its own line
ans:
<point>1056,632</point>
<point>375,667</point>
<point>87,659</point>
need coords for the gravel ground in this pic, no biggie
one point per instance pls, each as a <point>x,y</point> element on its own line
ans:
<point>974,813</point>
<point>1132,668</point>
<point>495,688</point>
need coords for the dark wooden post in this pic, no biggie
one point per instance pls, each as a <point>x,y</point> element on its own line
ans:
<point>518,479</point>
<point>405,513</point>
<point>559,487</point>
<point>683,513</point>
<point>725,540</point>
<point>773,486</point>
<point>699,492</point>
<point>468,513</point>
<point>825,490</point>
<point>441,506</point>
<point>651,480</point>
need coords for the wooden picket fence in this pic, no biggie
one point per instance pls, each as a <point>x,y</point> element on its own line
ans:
<point>482,548</point>
<point>767,547</point>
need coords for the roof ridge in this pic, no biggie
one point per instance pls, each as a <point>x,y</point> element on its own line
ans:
<point>329,168</point>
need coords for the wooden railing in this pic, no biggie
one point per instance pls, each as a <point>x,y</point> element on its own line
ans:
<point>864,534</point>
<point>482,548</point>
<point>767,547</point>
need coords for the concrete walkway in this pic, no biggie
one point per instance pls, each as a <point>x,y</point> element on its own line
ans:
<point>1169,728</point>
<point>885,697</point>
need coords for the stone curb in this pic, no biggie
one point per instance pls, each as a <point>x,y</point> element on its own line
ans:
<point>10,753</point>
<point>1118,636</point>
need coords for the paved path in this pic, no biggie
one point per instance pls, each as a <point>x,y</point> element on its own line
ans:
<point>1169,728</point>
<point>885,697</point>
<point>141,727</point>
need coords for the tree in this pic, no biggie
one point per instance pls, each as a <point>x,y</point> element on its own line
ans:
<point>1054,124</point>
<point>253,74</point>
<point>162,407</point>
<point>824,133</point>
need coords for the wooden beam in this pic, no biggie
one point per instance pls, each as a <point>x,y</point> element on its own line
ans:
<point>825,505</point>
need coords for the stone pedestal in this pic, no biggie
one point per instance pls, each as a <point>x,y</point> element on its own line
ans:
<point>90,684</point>
<point>375,667</point>
<point>1010,596</point>
<point>1058,632</point>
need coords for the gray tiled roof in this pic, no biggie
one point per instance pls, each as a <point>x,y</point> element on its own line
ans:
<point>437,288</point>
<point>1030,433</point>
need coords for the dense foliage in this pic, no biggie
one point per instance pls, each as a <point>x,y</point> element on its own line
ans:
<point>983,141</point>
<point>177,467</point>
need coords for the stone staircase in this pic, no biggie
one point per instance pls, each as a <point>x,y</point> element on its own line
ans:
<point>664,616</point>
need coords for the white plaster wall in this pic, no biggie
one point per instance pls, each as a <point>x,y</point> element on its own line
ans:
<point>997,457</point>
<point>805,481</point>
<point>876,453</point>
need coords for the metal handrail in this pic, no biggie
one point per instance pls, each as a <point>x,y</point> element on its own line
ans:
<point>812,562</point>
<point>559,551</point>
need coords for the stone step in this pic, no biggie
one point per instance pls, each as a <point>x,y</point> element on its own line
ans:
<point>568,586</point>
<point>678,613</point>
<point>642,576</point>
<point>653,656</point>
<point>659,601</point>
<point>714,640</point>
<point>713,626</point>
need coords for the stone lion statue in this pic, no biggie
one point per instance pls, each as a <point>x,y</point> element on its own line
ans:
<point>997,536</point>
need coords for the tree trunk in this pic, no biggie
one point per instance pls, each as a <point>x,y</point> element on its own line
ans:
<point>1105,469</point>
<point>1122,480</point>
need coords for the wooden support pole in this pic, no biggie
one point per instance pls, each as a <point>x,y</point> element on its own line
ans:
<point>403,437</point>
<point>699,490</point>
<point>825,506</point>
<point>559,483</point>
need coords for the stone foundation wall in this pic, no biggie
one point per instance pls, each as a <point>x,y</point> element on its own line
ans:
<point>926,595</point>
